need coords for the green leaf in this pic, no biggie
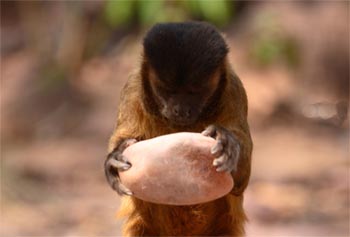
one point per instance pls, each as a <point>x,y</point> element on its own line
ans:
<point>216,11</point>
<point>192,6</point>
<point>118,12</point>
<point>149,10</point>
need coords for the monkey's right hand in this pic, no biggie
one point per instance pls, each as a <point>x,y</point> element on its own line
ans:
<point>116,163</point>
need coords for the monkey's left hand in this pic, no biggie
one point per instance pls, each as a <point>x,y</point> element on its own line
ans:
<point>115,163</point>
<point>226,150</point>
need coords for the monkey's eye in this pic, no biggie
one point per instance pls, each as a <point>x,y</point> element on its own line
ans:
<point>166,91</point>
<point>195,90</point>
<point>160,88</point>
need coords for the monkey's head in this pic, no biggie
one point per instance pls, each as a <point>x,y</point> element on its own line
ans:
<point>182,70</point>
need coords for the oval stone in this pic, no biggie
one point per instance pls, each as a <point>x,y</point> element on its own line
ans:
<point>175,169</point>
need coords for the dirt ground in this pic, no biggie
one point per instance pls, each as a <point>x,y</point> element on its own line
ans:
<point>52,178</point>
<point>56,186</point>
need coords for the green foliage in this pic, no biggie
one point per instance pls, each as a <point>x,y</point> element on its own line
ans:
<point>272,49</point>
<point>270,44</point>
<point>148,12</point>
<point>52,77</point>
<point>193,7</point>
<point>151,12</point>
<point>118,13</point>
<point>218,12</point>
<point>215,11</point>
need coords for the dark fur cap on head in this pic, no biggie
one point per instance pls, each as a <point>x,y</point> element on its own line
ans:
<point>182,52</point>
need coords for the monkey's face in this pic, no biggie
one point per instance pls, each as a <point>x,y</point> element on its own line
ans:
<point>181,69</point>
<point>183,104</point>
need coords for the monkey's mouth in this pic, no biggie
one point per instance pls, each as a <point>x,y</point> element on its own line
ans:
<point>176,122</point>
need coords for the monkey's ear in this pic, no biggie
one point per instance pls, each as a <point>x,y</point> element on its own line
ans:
<point>147,71</point>
<point>215,78</point>
<point>152,75</point>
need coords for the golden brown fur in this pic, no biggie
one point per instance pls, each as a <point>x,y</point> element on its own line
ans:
<point>224,216</point>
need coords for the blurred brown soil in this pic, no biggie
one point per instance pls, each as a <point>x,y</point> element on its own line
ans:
<point>56,185</point>
<point>53,183</point>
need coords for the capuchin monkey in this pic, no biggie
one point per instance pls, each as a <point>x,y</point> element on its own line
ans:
<point>184,83</point>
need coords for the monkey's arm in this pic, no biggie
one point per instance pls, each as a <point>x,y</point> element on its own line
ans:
<point>242,174</point>
<point>234,145</point>
<point>123,136</point>
<point>240,129</point>
<point>127,132</point>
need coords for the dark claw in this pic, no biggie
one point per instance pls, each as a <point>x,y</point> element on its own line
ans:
<point>221,160</point>
<point>217,149</point>
<point>222,169</point>
<point>122,190</point>
<point>127,143</point>
<point>120,165</point>
<point>209,131</point>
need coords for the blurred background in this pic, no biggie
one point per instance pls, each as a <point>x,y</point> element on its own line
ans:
<point>63,64</point>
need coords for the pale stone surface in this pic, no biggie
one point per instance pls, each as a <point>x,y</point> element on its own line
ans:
<point>175,169</point>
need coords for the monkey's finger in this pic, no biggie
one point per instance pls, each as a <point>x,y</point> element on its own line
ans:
<point>129,142</point>
<point>217,149</point>
<point>236,158</point>
<point>231,163</point>
<point>209,131</point>
<point>119,165</point>
<point>222,168</point>
<point>126,143</point>
<point>222,137</point>
<point>227,166</point>
<point>220,161</point>
<point>121,189</point>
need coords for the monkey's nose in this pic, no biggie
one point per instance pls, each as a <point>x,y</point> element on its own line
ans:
<point>182,112</point>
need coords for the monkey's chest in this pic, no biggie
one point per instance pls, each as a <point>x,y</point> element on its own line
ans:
<point>185,220</point>
<point>163,129</point>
